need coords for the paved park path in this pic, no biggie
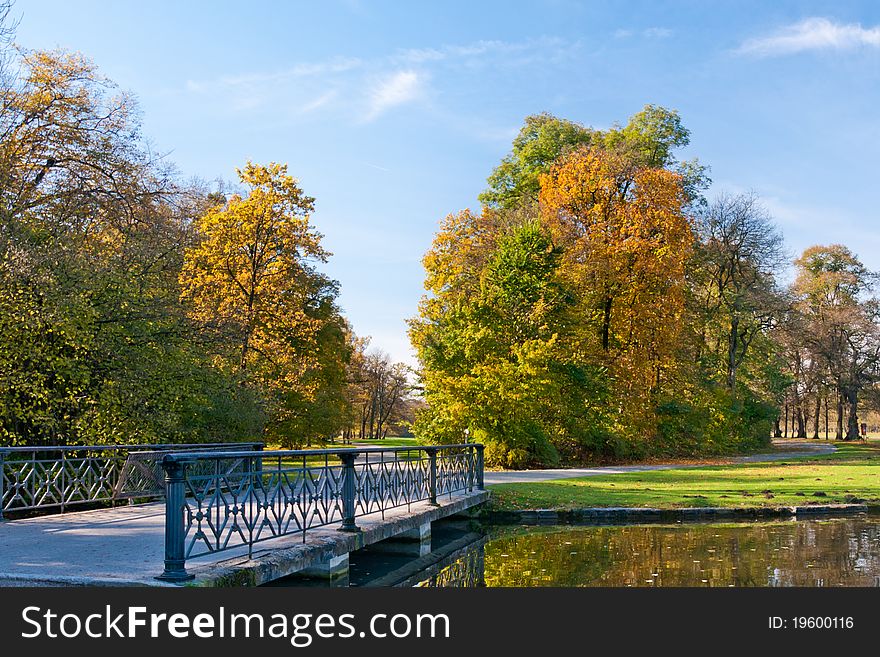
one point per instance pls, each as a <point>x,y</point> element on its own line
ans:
<point>792,449</point>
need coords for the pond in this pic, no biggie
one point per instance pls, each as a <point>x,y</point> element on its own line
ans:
<point>831,552</point>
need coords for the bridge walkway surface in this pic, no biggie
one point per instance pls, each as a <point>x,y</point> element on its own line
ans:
<point>124,546</point>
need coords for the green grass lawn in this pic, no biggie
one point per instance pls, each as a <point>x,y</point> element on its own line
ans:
<point>852,472</point>
<point>317,461</point>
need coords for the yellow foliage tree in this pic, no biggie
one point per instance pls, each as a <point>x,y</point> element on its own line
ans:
<point>252,273</point>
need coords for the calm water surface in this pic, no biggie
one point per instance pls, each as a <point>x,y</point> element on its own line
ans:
<point>837,552</point>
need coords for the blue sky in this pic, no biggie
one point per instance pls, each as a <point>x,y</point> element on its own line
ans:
<point>392,114</point>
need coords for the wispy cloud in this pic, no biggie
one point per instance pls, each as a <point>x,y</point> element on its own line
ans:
<point>300,70</point>
<point>534,49</point>
<point>811,34</point>
<point>657,32</point>
<point>393,90</point>
<point>362,89</point>
<point>377,167</point>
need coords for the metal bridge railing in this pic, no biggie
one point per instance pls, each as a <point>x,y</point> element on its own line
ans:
<point>56,477</point>
<point>221,500</point>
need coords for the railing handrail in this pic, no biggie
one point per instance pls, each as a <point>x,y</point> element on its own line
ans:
<point>58,476</point>
<point>178,456</point>
<point>141,446</point>
<point>261,495</point>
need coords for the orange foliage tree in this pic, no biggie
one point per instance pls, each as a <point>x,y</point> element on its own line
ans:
<point>626,242</point>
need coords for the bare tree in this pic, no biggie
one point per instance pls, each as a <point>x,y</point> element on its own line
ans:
<point>740,251</point>
<point>378,392</point>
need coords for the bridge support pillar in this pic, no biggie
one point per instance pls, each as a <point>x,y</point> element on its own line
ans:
<point>414,542</point>
<point>332,569</point>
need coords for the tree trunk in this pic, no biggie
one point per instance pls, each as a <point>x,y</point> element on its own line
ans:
<point>826,416</point>
<point>801,421</point>
<point>249,325</point>
<point>852,425</point>
<point>373,418</point>
<point>839,434</point>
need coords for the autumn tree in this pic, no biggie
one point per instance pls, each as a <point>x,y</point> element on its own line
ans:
<point>138,308</point>
<point>317,409</point>
<point>386,386</point>
<point>616,356</point>
<point>542,140</point>
<point>95,345</point>
<point>626,242</point>
<point>252,274</point>
<point>356,388</point>
<point>378,393</point>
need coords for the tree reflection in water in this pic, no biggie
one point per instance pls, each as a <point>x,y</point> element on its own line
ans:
<point>837,552</point>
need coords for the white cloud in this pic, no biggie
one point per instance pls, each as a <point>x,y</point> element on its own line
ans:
<point>337,67</point>
<point>396,89</point>
<point>812,34</point>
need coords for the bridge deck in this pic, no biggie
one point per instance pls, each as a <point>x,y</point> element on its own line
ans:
<point>124,546</point>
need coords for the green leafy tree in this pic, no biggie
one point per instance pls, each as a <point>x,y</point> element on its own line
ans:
<point>91,238</point>
<point>498,363</point>
<point>649,139</point>
<point>541,141</point>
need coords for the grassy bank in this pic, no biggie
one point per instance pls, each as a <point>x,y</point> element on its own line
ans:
<point>852,473</point>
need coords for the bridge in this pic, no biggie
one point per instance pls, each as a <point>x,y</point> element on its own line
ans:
<point>220,514</point>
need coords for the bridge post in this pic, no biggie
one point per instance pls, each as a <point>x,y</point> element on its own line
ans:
<point>414,542</point>
<point>63,478</point>
<point>175,504</point>
<point>348,492</point>
<point>432,475</point>
<point>479,466</point>
<point>259,460</point>
<point>2,481</point>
